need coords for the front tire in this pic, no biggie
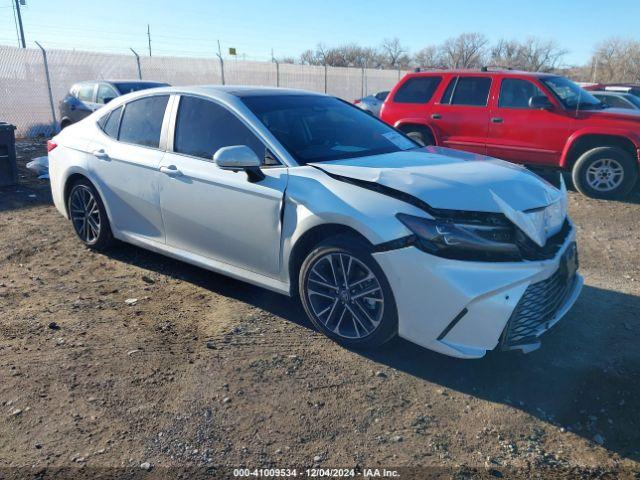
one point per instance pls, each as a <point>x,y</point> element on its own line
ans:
<point>88,216</point>
<point>420,135</point>
<point>605,172</point>
<point>346,294</point>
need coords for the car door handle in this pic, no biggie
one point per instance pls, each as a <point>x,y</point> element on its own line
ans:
<point>101,154</point>
<point>496,119</point>
<point>171,170</point>
<point>436,116</point>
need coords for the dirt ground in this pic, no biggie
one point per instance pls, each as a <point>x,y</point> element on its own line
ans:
<point>206,372</point>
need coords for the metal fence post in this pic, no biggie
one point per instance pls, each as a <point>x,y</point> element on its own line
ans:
<point>137,62</point>
<point>325,78</point>
<point>277,72</point>
<point>221,69</point>
<point>46,71</point>
<point>221,63</point>
<point>362,95</point>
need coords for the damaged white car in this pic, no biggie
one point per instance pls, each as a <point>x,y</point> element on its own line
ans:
<point>309,196</point>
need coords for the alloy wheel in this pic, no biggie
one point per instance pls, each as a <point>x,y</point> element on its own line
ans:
<point>345,295</point>
<point>605,175</point>
<point>85,214</point>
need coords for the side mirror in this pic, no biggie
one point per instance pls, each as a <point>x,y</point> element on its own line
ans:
<point>540,102</point>
<point>107,100</point>
<point>239,157</point>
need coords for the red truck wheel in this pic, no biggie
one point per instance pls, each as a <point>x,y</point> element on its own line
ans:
<point>605,172</point>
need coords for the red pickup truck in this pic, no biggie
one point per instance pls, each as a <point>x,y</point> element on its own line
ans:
<point>536,119</point>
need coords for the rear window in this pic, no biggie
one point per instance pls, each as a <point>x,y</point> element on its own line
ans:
<point>141,122</point>
<point>128,87</point>
<point>417,90</point>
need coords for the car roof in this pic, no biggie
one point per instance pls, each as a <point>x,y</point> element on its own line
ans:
<point>124,80</point>
<point>240,91</point>
<point>227,94</point>
<point>489,71</point>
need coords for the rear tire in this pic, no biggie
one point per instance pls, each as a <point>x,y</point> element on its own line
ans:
<point>421,136</point>
<point>346,294</point>
<point>88,216</point>
<point>605,172</point>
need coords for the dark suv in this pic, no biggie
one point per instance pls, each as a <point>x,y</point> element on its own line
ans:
<point>537,119</point>
<point>86,97</point>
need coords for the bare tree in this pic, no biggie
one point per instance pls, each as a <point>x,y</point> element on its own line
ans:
<point>506,53</point>
<point>533,54</point>
<point>617,60</point>
<point>429,57</point>
<point>394,54</point>
<point>468,50</point>
<point>541,55</point>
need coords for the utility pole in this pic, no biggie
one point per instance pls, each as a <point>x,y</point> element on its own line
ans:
<point>149,37</point>
<point>221,63</point>
<point>24,44</point>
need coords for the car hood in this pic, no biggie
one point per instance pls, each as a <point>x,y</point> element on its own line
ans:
<point>450,179</point>
<point>626,114</point>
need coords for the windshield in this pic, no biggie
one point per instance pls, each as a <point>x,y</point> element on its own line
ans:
<point>633,99</point>
<point>314,128</point>
<point>571,95</point>
<point>128,87</point>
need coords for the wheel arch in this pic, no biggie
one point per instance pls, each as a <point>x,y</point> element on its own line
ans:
<point>308,240</point>
<point>71,179</point>
<point>408,124</point>
<point>582,142</point>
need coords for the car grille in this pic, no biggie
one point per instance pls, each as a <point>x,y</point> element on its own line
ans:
<point>539,304</point>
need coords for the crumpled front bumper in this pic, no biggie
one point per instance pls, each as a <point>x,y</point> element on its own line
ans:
<point>463,308</point>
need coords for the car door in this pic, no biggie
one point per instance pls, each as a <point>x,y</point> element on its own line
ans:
<point>522,134</point>
<point>125,158</point>
<point>462,115</point>
<point>215,213</point>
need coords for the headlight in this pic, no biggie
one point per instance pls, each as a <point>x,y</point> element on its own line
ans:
<point>463,241</point>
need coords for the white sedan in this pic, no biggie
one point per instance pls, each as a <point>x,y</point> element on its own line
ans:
<point>309,196</point>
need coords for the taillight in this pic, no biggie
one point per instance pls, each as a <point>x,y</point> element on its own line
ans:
<point>356,102</point>
<point>51,145</point>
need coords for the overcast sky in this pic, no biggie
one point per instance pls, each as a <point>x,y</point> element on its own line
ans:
<point>254,27</point>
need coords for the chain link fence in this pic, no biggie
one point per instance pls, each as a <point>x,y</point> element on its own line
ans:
<point>34,81</point>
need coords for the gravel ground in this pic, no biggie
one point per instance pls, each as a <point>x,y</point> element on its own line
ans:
<point>206,372</point>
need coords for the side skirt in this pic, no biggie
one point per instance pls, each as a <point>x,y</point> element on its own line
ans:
<point>208,263</point>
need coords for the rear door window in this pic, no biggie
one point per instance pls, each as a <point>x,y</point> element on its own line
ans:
<point>110,123</point>
<point>417,90</point>
<point>469,91</point>
<point>141,122</point>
